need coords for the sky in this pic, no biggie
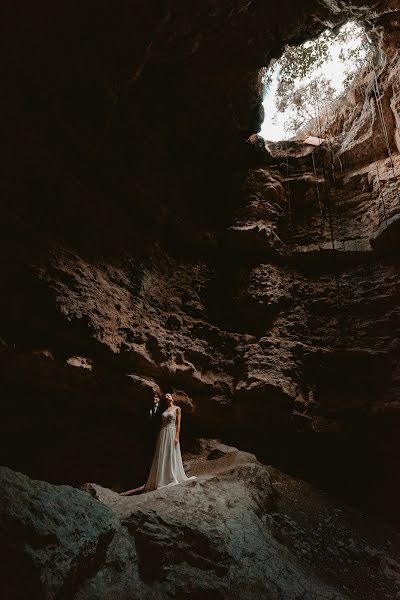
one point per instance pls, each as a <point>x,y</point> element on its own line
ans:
<point>334,69</point>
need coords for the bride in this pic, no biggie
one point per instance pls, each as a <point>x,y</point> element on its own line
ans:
<point>167,467</point>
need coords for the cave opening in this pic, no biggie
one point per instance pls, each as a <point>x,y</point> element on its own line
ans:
<point>304,88</point>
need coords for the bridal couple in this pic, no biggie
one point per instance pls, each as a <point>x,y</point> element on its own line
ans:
<point>166,467</point>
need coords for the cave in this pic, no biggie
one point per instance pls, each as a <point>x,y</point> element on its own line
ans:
<point>153,241</point>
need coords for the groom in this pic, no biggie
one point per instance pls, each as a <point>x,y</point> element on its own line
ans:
<point>153,425</point>
<point>153,429</point>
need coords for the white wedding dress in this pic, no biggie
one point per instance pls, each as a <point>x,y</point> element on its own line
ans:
<point>167,467</point>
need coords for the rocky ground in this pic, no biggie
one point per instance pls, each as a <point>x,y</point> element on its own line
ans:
<point>240,530</point>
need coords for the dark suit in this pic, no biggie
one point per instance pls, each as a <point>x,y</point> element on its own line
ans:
<point>153,425</point>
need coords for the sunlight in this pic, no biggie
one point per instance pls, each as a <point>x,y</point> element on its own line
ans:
<point>327,64</point>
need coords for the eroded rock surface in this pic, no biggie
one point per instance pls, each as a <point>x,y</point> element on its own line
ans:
<point>240,530</point>
<point>52,537</point>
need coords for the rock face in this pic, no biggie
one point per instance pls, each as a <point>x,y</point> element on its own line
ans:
<point>149,243</point>
<point>240,530</point>
<point>51,537</point>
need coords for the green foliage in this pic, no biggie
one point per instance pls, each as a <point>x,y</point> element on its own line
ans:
<point>307,103</point>
<point>301,90</point>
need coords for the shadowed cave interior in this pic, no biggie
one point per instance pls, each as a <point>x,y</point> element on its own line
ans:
<point>153,241</point>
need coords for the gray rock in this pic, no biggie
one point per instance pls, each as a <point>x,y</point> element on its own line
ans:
<point>205,538</point>
<point>226,534</point>
<point>52,537</point>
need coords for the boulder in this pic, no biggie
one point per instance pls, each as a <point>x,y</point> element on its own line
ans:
<point>52,537</point>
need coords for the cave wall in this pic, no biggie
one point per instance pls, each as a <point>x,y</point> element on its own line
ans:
<point>147,243</point>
